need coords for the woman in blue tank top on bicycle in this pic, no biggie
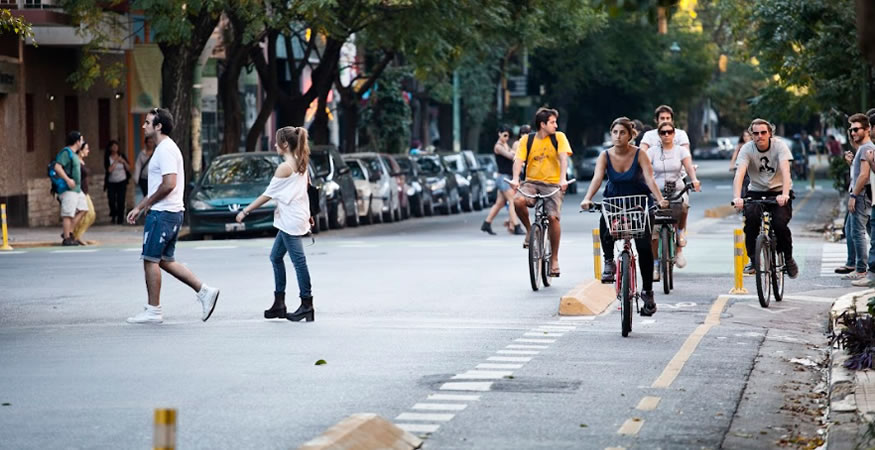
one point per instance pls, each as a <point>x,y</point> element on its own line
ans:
<point>629,172</point>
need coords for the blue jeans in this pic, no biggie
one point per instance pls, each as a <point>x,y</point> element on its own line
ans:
<point>292,244</point>
<point>857,229</point>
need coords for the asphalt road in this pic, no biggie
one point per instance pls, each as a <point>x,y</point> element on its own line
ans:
<point>405,312</point>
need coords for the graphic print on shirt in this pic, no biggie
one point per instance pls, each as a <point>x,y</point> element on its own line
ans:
<point>764,165</point>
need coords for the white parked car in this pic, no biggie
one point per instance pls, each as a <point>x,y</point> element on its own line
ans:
<point>369,206</point>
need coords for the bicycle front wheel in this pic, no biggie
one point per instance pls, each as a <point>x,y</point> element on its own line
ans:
<point>665,258</point>
<point>763,265</point>
<point>778,276</point>
<point>625,295</point>
<point>547,256</point>
<point>536,236</point>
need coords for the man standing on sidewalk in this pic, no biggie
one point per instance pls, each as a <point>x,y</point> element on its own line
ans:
<point>74,205</point>
<point>860,197</point>
<point>859,133</point>
<point>165,205</point>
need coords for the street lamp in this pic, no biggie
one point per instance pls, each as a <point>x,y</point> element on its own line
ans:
<point>675,49</point>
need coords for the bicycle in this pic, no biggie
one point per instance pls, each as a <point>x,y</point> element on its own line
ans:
<point>538,241</point>
<point>627,218</point>
<point>667,221</point>
<point>767,260</point>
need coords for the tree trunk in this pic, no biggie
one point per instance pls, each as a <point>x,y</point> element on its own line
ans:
<point>445,126</point>
<point>177,78</point>
<point>865,30</point>
<point>236,55</point>
<point>270,82</point>
<point>350,110</point>
<point>319,127</point>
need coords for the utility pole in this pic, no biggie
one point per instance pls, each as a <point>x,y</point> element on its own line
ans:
<point>457,120</point>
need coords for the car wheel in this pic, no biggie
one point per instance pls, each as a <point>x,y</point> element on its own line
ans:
<point>353,219</point>
<point>478,204</point>
<point>457,204</point>
<point>468,204</point>
<point>368,218</point>
<point>430,210</point>
<point>389,216</point>
<point>420,206</point>
<point>337,218</point>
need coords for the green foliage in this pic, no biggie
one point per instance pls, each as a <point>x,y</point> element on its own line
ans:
<point>839,174</point>
<point>626,69</point>
<point>810,45</point>
<point>16,25</point>
<point>386,116</point>
<point>733,91</point>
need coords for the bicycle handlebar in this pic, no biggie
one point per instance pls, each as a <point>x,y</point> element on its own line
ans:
<point>676,196</point>
<point>543,196</point>
<point>761,201</point>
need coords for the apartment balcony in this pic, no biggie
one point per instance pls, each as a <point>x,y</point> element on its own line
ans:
<point>53,27</point>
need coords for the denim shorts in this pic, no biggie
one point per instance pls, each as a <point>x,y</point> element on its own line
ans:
<point>160,234</point>
<point>500,183</point>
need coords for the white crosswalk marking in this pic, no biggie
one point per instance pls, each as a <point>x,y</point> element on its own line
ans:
<point>418,427</point>
<point>833,256</point>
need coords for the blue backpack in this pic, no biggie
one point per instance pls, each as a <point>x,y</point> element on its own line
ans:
<point>59,186</point>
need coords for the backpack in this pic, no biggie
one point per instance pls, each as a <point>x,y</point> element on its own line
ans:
<point>59,186</point>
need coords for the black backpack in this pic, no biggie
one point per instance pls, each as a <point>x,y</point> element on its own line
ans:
<point>529,142</point>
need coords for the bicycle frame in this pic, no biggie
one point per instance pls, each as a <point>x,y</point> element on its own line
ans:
<point>633,276</point>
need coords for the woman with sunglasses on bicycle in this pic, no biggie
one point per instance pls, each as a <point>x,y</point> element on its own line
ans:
<point>629,172</point>
<point>669,163</point>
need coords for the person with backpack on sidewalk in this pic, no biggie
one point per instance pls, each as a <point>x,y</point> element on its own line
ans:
<point>166,207</point>
<point>74,205</point>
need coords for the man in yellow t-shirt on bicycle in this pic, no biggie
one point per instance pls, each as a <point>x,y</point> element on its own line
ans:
<point>546,155</point>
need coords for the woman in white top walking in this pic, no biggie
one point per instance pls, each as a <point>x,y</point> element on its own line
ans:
<point>288,188</point>
<point>669,162</point>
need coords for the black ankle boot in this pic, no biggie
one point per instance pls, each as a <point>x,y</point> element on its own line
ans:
<point>278,310</point>
<point>487,227</point>
<point>305,311</point>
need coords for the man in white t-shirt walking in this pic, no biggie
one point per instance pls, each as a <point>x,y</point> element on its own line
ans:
<point>165,205</point>
<point>664,113</point>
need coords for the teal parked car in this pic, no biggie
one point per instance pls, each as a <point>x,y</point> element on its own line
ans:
<point>228,185</point>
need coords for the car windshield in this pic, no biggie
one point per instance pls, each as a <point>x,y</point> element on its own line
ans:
<point>455,163</point>
<point>356,170</point>
<point>488,163</point>
<point>429,165</point>
<point>406,166</point>
<point>320,162</point>
<point>242,170</point>
<point>374,166</point>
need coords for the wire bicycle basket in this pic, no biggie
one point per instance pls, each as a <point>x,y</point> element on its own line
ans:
<point>626,217</point>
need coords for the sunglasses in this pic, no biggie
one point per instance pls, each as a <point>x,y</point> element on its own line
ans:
<point>666,132</point>
<point>855,129</point>
<point>758,133</point>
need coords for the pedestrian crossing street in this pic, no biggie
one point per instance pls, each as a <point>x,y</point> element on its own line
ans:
<point>833,256</point>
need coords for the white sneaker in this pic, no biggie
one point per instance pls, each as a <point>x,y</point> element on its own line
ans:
<point>867,281</point>
<point>208,297</point>
<point>680,260</point>
<point>656,273</point>
<point>150,314</point>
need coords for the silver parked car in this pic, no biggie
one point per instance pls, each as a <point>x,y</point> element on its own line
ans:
<point>370,206</point>
<point>384,184</point>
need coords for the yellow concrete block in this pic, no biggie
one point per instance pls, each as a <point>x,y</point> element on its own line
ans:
<point>587,299</point>
<point>720,212</point>
<point>363,432</point>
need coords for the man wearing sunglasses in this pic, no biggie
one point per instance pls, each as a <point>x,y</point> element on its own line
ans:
<point>860,203</point>
<point>766,160</point>
<point>664,113</point>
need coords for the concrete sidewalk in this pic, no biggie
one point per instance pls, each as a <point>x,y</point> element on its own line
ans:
<point>851,393</point>
<point>96,235</point>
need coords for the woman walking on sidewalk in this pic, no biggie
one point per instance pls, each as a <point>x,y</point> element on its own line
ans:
<point>118,171</point>
<point>504,162</point>
<point>288,188</point>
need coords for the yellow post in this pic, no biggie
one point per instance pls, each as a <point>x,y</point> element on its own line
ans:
<point>6,245</point>
<point>164,436</point>
<point>596,254</point>
<point>738,256</point>
<point>744,250</point>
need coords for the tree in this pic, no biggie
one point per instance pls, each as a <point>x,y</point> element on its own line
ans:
<point>386,116</point>
<point>16,25</point>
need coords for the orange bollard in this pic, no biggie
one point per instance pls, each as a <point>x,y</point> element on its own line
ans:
<point>596,254</point>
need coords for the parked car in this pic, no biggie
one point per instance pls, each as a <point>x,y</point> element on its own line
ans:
<point>401,179</point>
<point>490,168</point>
<point>586,163</point>
<point>477,171</point>
<point>418,189</point>
<point>383,184</point>
<point>469,186</point>
<point>229,184</point>
<point>370,206</point>
<point>443,183</point>
<point>708,150</point>
<point>338,185</point>
<point>320,222</point>
<point>727,145</point>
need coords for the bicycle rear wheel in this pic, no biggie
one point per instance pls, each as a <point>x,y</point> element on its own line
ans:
<point>763,264</point>
<point>536,235</point>
<point>625,295</point>
<point>665,258</point>
<point>547,256</point>
<point>778,276</point>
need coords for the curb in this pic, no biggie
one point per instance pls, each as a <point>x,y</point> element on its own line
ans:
<point>845,417</point>
<point>363,431</point>
<point>37,244</point>
<point>719,212</point>
<point>590,298</point>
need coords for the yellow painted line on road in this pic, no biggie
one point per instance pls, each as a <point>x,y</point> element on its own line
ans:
<point>804,201</point>
<point>648,403</point>
<point>676,364</point>
<point>631,426</point>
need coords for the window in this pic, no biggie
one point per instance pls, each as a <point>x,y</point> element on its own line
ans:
<point>103,121</point>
